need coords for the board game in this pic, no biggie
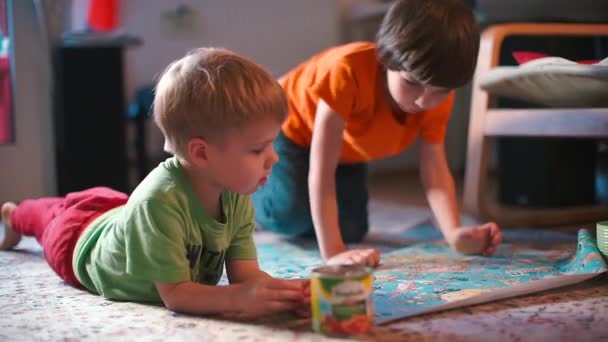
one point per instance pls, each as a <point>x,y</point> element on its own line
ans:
<point>427,276</point>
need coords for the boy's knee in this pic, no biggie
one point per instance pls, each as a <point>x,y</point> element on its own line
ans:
<point>278,205</point>
<point>285,215</point>
<point>296,226</point>
<point>354,232</point>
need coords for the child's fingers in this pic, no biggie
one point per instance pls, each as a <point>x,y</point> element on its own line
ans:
<point>278,284</point>
<point>496,236</point>
<point>303,313</point>
<point>302,283</point>
<point>306,288</point>
<point>485,229</point>
<point>493,228</point>
<point>465,233</point>
<point>369,261</point>
<point>358,257</point>
<point>375,258</point>
<point>489,251</point>
<point>352,257</point>
<point>368,257</point>
<point>285,295</point>
<point>496,240</point>
<point>471,233</point>
<point>280,306</point>
<point>340,259</point>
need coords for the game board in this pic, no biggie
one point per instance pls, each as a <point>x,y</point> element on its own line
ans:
<point>428,276</point>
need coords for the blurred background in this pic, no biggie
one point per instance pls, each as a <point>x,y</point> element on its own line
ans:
<point>76,80</point>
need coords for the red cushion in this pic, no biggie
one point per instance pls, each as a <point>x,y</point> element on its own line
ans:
<point>526,56</point>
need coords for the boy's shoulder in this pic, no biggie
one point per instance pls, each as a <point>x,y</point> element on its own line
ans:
<point>351,54</point>
<point>355,49</point>
<point>163,182</point>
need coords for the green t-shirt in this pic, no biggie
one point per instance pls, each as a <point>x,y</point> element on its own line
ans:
<point>162,234</point>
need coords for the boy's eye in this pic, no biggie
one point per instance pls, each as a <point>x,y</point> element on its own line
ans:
<point>411,82</point>
<point>443,91</point>
<point>258,150</point>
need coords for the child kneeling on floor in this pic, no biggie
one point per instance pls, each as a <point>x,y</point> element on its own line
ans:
<point>365,101</point>
<point>169,241</point>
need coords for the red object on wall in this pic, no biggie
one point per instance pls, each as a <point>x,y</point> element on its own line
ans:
<point>103,15</point>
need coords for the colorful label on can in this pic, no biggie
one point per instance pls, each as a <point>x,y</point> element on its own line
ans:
<point>342,305</point>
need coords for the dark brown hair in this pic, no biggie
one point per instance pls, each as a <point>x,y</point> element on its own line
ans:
<point>436,40</point>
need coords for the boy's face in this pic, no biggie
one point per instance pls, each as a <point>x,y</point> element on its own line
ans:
<point>412,96</point>
<point>243,160</point>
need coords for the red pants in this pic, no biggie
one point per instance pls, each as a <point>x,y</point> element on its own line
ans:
<point>57,222</point>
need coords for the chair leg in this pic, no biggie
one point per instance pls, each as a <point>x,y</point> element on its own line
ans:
<point>476,174</point>
<point>477,144</point>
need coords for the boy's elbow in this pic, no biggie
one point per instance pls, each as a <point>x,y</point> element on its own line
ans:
<point>171,306</point>
<point>170,296</point>
<point>171,303</point>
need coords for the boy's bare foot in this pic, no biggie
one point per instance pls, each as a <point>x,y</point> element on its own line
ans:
<point>11,238</point>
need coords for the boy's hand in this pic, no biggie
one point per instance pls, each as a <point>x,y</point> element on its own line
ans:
<point>368,257</point>
<point>269,295</point>
<point>304,309</point>
<point>482,239</point>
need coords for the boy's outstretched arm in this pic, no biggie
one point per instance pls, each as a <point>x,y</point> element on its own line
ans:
<point>252,293</point>
<point>438,184</point>
<point>240,271</point>
<point>324,156</point>
<point>243,271</point>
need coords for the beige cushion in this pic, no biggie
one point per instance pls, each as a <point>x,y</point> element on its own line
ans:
<point>551,81</point>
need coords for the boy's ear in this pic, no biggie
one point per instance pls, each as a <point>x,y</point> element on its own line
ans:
<point>198,152</point>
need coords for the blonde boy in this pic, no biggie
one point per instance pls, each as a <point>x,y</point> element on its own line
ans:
<point>169,241</point>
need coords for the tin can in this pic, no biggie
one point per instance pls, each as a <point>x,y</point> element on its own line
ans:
<point>341,299</point>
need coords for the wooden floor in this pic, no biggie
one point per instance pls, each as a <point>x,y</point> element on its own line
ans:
<point>404,188</point>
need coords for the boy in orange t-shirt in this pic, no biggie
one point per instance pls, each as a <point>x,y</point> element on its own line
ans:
<point>364,101</point>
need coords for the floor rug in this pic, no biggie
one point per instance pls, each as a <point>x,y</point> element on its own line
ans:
<point>427,276</point>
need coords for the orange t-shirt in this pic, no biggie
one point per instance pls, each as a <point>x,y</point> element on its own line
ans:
<point>348,78</point>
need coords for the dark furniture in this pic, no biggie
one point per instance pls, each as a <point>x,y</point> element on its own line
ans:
<point>90,120</point>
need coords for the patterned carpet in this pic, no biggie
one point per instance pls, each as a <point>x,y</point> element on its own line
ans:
<point>36,305</point>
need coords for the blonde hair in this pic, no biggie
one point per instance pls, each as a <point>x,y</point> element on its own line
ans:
<point>210,92</point>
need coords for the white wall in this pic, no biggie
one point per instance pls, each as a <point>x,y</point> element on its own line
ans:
<point>278,34</point>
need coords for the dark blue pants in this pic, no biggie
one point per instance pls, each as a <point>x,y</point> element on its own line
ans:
<point>282,205</point>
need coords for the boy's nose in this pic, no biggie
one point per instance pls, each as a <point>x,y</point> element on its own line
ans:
<point>425,101</point>
<point>421,102</point>
<point>272,159</point>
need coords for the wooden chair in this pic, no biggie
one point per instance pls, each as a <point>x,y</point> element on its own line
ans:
<point>487,122</point>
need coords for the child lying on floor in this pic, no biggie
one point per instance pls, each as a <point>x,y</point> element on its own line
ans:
<point>169,241</point>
